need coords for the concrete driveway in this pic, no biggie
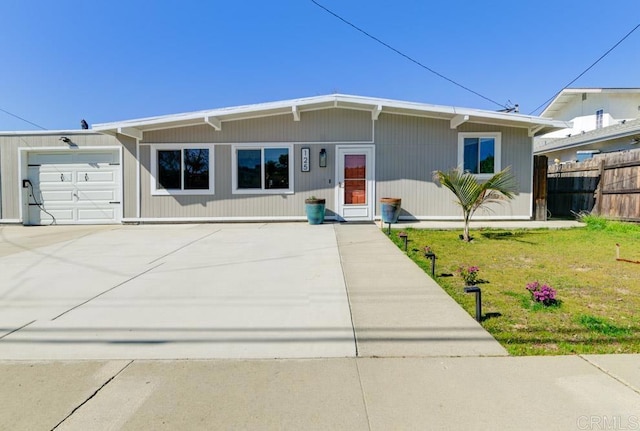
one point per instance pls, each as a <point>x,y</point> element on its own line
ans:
<point>173,291</point>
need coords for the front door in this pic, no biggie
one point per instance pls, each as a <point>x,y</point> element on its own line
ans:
<point>355,182</point>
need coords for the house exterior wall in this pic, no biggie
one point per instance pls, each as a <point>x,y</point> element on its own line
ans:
<point>315,130</point>
<point>410,149</point>
<point>10,147</point>
<point>129,176</point>
<point>407,150</point>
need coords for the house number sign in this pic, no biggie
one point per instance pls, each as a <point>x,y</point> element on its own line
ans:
<point>305,160</point>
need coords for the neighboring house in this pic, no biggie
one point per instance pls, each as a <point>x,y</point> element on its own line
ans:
<point>604,120</point>
<point>260,162</point>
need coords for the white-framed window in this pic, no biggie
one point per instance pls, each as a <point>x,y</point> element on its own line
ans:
<point>182,169</point>
<point>259,168</point>
<point>599,118</point>
<point>479,153</point>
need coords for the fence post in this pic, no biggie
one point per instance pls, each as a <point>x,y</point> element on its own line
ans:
<point>540,164</point>
<point>599,188</point>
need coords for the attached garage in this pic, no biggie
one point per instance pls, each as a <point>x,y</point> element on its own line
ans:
<point>72,187</point>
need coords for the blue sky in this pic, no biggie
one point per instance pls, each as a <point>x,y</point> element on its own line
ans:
<point>106,61</point>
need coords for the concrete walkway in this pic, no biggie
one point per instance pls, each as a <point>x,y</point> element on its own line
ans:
<point>422,363</point>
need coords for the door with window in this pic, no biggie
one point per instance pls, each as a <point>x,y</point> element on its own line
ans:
<point>355,182</point>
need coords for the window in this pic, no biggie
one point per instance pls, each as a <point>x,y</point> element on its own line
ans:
<point>599,116</point>
<point>181,169</point>
<point>479,153</point>
<point>262,169</point>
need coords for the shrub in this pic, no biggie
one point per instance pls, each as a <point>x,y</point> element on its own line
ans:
<point>543,294</point>
<point>469,274</point>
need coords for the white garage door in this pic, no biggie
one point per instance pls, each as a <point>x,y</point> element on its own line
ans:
<point>74,187</point>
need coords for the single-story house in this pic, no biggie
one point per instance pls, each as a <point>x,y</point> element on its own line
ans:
<point>260,162</point>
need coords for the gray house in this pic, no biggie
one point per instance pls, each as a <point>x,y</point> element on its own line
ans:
<point>260,162</point>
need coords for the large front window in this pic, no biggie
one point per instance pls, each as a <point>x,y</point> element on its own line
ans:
<point>263,169</point>
<point>182,169</point>
<point>479,153</point>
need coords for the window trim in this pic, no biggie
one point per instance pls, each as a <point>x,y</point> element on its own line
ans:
<point>497,137</point>
<point>155,191</point>
<point>261,191</point>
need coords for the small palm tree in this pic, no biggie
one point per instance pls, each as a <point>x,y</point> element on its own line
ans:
<point>472,194</point>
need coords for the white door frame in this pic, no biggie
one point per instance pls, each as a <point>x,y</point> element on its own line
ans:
<point>364,212</point>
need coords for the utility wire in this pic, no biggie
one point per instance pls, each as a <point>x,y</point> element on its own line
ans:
<point>587,69</point>
<point>404,55</point>
<point>20,118</point>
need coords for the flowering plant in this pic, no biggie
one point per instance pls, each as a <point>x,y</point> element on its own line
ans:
<point>542,293</point>
<point>469,274</point>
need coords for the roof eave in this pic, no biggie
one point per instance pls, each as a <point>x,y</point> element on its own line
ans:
<point>295,106</point>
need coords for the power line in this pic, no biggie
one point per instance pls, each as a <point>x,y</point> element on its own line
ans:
<point>20,118</point>
<point>587,69</point>
<point>405,55</point>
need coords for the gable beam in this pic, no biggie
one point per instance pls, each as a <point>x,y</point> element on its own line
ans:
<point>214,122</point>
<point>376,112</point>
<point>295,112</point>
<point>458,119</point>
<point>534,130</point>
<point>131,132</point>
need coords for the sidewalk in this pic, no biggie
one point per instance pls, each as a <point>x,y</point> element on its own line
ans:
<point>422,363</point>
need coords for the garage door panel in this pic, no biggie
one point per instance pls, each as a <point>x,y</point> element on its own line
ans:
<point>97,195</point>
<point>55,177</point>
<point>75,187</point>
<point>95,214</point>
<point>57,196</point>
<point>95,158</point>
<point>37,216</point>
<point>96,176</point>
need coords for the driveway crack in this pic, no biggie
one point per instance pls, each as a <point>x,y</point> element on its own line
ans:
<point>108,290</point>
<point>92,395</point>
<point>184,246</point>
<point>613,376</point>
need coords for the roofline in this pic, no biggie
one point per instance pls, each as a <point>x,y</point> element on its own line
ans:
<point>366,103</point>
<point>557,143</point>
<point>48,132</point>
<point>591,90</point>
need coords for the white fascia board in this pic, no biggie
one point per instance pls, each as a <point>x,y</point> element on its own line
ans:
<point>334,100</point>
<point>48,132</point>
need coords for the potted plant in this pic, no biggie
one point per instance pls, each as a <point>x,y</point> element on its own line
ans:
<point>314,208</point>
<point>390,209</point>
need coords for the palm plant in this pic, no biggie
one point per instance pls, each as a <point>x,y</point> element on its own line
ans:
<point>471,194</point>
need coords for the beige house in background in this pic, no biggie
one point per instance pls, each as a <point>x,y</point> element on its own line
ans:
<point>259,163</point>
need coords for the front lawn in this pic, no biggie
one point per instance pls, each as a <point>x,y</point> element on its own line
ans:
<point>599,297</point>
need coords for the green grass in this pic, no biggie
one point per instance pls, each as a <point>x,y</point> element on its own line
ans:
<point>598,296</point>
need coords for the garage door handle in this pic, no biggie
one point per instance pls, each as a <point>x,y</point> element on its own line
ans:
<point>62,177</point>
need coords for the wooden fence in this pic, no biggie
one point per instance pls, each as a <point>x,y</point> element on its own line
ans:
<point>608,185</point>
